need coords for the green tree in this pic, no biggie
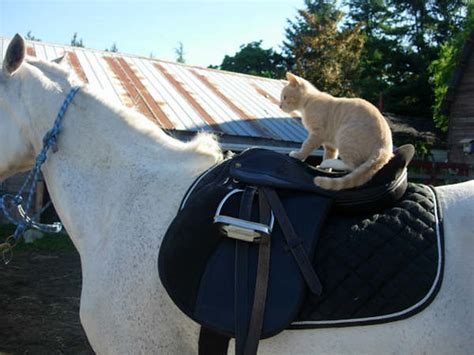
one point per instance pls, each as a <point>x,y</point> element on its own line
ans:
<point>442,68</point>
<point>319,48</point>
<point>449,17</point>
<point>380,46</point>
<point>75,42</point>
<point>179,51</point>
<point>255,60</point>
<point>113,48</point>
<point>402,39</point>
<point>30,37</point>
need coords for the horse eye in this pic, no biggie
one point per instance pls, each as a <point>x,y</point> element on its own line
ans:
<point>284,97</point>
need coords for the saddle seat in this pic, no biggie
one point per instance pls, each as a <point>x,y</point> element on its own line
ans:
<point>262,167</point>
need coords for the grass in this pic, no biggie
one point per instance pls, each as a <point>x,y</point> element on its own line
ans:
<point>49,242</point>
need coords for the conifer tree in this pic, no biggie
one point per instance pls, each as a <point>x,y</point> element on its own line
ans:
<point>30,37</point>
<point>75,42</point>
<point>319,49</point>
<point>179,51</point>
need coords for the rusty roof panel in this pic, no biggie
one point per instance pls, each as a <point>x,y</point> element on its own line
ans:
<point>223,112</point>
<point>76,66</point>
<point>181,97</point>
<point>108,83</point>
<point>128,94</point>
<point>88,67</point>
<point>244,95</point>
<point>152,106</point>
<point>160,94</point>
<point>238,112</point>
<point>30,50</point>
<point>242,114</point>
<point>180,87</point>
<point>182,109</point>
<point>208,98</point>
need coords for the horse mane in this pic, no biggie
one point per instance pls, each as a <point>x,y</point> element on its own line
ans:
<point>54,71</point>
<point>203,143</point>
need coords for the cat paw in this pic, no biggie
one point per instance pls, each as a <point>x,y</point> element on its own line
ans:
<point>297,155</point>
<point>335,164</point>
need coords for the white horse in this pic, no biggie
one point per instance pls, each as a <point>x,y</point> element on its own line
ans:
<point>116,182</point>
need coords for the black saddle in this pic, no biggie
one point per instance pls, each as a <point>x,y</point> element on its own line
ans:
<point>261,167</point>
<point>238,257</point>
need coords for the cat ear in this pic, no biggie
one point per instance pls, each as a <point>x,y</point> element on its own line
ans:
<point>293,79</point>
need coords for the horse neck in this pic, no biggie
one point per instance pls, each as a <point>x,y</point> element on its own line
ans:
<point>105,152</point>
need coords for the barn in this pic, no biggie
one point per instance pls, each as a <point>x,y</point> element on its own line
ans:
<point>458,104</point>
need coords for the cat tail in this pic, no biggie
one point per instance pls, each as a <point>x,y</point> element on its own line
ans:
<point>359,176</point>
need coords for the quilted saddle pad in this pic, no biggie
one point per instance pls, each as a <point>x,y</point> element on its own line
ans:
<point>377,267</point>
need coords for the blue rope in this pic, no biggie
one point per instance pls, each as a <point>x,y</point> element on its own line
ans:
<point>7,201</point>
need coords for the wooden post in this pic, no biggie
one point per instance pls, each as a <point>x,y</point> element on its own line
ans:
<point>39,198</point>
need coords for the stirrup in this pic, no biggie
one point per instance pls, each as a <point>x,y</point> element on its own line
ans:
<point>241,229</point>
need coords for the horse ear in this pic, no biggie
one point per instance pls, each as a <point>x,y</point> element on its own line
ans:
<point>293,79</point>
<point>15,55</point>
<point>60,60</point>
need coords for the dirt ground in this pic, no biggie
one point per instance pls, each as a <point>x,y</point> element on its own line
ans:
<point>39,304</point>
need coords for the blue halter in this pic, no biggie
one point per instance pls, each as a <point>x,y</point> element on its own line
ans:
<point>11,202</point>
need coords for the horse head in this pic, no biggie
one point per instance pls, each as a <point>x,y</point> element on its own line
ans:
<point>16,152</point>
<point>23,82</point>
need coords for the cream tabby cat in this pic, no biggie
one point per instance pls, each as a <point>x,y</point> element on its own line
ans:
<point>352,129</point>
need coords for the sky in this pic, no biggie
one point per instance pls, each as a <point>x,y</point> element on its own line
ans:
<point>208,29</point>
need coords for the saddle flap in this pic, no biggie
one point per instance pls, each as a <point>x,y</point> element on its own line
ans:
<point>214,305</point>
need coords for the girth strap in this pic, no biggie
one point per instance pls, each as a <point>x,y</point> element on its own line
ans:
<point>294,242</point>
<point>241,286</point>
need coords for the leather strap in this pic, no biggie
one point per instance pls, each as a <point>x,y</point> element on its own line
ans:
<point>261,283</point>
<point>212,343</point>
<point>241,287</point>
<point>294,242</point>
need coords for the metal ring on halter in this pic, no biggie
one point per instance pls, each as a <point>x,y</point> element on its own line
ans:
<point>241,229</point>
<point>54,227</point>
<point>15,201</point>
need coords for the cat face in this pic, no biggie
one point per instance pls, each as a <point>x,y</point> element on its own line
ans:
<point>291,94</point>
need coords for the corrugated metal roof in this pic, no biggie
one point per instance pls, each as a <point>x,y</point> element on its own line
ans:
<point>181,97</point>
